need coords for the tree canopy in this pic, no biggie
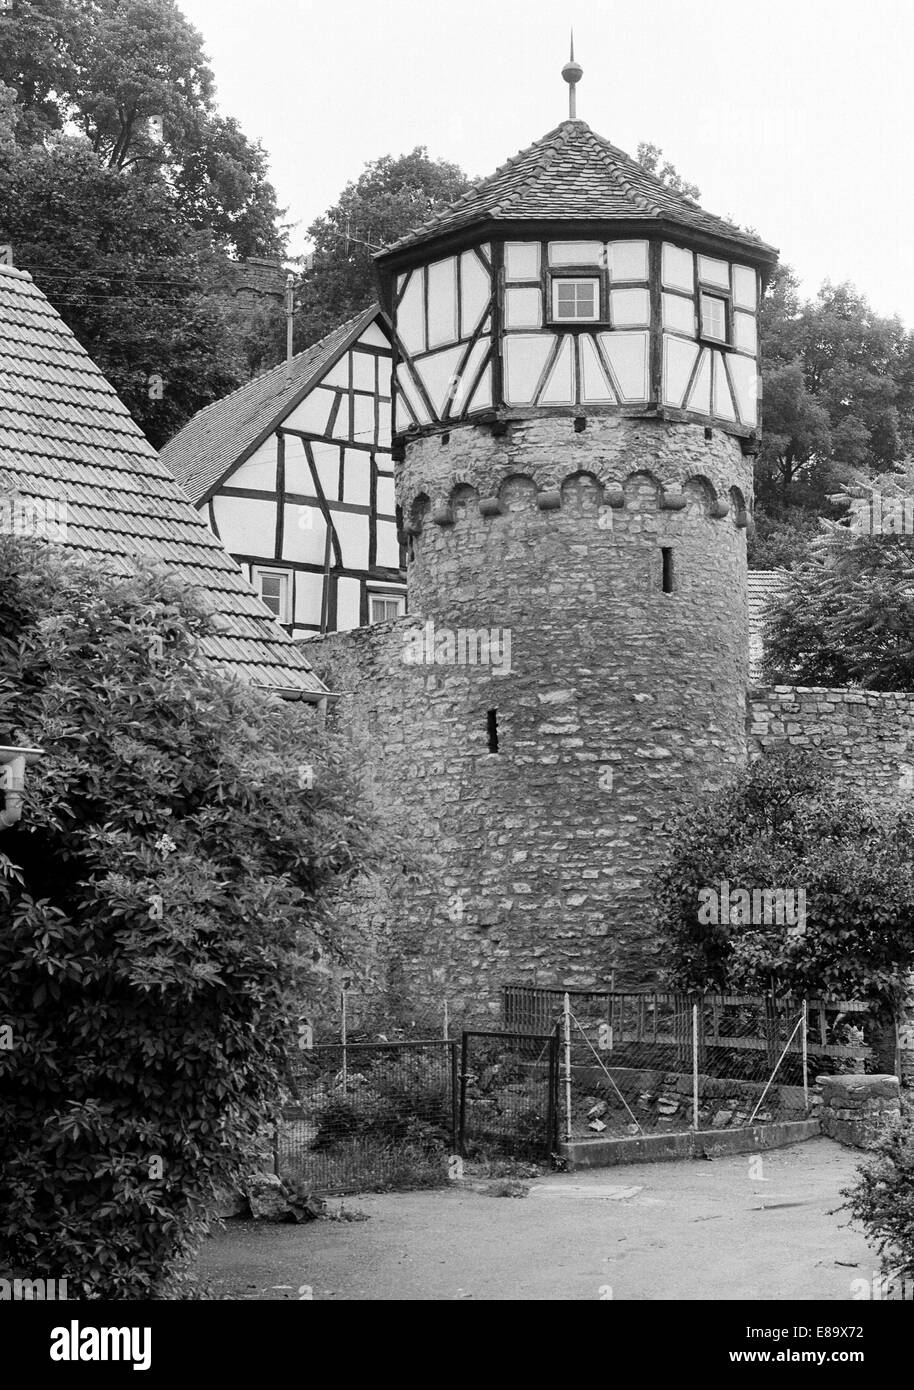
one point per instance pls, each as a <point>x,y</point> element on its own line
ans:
<point>128,227</point>
<point>391,197</point>
<point>838,383</point>
<point>787,823</point>
<point>846,615</point>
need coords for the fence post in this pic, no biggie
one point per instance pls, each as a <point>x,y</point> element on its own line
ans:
<point>462,1122</point>
<point>455,1101</point>
<point>805,1068</point>
<point>343,1038</point>
<point>695,1066</point>
<point>567,1016</point>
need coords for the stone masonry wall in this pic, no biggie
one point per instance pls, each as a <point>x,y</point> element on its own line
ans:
<point>536,860</point>
<point>867,735</point>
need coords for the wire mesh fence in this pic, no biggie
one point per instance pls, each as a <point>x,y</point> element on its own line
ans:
<point>508,1094</point>
<point>370,1115</point>
<point>648,1061</point>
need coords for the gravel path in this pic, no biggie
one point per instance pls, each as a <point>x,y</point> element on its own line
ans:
<point>744,1227</point>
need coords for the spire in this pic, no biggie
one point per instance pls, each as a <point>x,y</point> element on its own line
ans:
<point>572,73</point>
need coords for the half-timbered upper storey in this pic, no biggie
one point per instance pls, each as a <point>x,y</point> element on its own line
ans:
<point>294,474</point>
<point>574,278</point>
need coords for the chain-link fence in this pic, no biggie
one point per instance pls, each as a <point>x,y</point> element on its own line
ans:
<point>508,1091</point>
<point>648,1061</point>
<point>370,1115</point>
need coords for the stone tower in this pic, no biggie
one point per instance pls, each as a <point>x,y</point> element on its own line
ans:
<point>576,412</point>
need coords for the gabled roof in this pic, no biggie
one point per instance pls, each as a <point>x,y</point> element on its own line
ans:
<point>64,434</point>
<point>222,435</point>
<point>573,174</point>
<point>763,586</point>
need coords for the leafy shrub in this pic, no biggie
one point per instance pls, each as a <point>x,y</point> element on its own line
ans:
<point>846,618</point>
<point>163,909</point>
<point>882,1200</point>
<point>785,822</point>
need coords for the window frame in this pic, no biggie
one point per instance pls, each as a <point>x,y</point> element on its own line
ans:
<point>383,596</point>
<point>722,296</point>
<point>566,275</point>
<point>259,572</point>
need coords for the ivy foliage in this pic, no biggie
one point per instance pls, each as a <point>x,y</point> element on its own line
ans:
<point>166,903</point>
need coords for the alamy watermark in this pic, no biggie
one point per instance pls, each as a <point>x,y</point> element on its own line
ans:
<point>41,1290</point>
<point>882,514</point>
<point>33,516</point>
<point>465,646</point>
<point>780,907</point>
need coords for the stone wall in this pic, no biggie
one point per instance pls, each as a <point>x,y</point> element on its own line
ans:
<point>859,1110</point>
<point>867,735</point>
<point>535,861</point>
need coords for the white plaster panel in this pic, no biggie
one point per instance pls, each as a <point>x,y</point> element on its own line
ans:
<point>700,396</point>
<point>575,253</point>
<point>745,383</point>
<point>630,308</point>
<point>677,268</point>
<point>745,287</point>
<point>594,386</point>
<point>348,602</point>
<point>259,471</point>
<point>678,361</point>
<point>628,260</point>
<point>679,313</point>
<point>246,526</point>
<point>313,413</point>
<point>411,315</point>
<point>745,332</point>
<point>713,272</point>
<point>388,549</point>
<point>304,532</point>
<point>525,356</point>
<point>559,387</point>
<point>522,260</point>
<point>523,308</point>
<point>475,292</point>
<point>442,302</point>
<point>723,400</point>
<point>357,477</point>
<point>627,354</point>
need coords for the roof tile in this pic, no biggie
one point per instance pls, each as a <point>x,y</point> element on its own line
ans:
<point>65,434</point>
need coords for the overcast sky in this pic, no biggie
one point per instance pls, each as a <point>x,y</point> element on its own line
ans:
<point>794,117</point>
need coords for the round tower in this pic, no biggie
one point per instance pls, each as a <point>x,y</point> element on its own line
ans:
<point>577,412</point>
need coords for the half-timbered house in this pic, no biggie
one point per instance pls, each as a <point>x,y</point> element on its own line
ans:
<point>76,470</point>
<point>293,473</point>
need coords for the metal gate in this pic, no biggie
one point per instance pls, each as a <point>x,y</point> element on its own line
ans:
<point>370,1115</point>
<point>508,1094</point>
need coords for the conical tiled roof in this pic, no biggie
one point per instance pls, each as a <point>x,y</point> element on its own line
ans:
<point>573,174</point>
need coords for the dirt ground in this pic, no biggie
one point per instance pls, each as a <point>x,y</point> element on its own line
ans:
<point>744,1227</point>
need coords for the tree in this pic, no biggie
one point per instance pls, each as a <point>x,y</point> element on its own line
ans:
<point>165,905</point>
<point>136,285</point>
<point>785,823</point>
<point>649,157</point>
<point>390,198</point>
<point>837,394</point>
<point>105,67</point>
<point>846,616</point>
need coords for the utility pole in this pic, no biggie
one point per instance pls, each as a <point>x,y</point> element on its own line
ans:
<point>290,311</point>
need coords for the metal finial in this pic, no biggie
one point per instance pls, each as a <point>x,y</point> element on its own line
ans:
<point>572,73</point>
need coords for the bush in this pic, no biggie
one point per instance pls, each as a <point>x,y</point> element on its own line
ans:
<point>786,823</point>
<point>883,1200</point>
<point>163,905</point>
